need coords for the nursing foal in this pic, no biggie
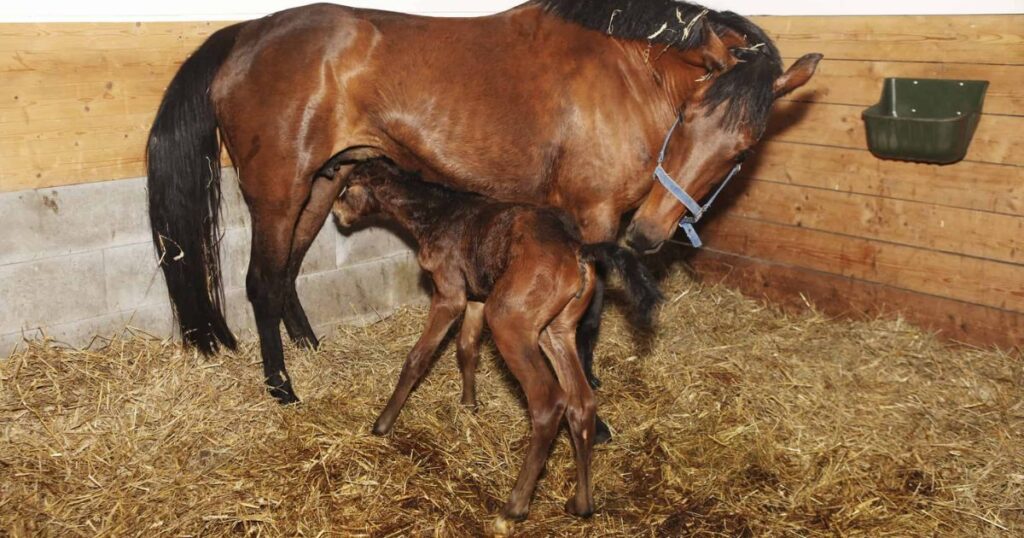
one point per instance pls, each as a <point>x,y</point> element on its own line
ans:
<point>523,269</point>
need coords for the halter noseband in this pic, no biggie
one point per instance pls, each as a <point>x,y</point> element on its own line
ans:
<point>696,210</point>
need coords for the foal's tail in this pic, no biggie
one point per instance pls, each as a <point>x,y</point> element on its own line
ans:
<point>641,286</point>
<point>183,166</point>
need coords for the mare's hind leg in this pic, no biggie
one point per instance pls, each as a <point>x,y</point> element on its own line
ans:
<point>276,190</point>
<point>468,350</point>
<point>267,288</point>
<point>311,221</point>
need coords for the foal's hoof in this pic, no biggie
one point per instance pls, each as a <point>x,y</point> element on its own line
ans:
<point>581,512</point>
<point>505,523</point>
<point>602,434</point>
<point>380,428</point>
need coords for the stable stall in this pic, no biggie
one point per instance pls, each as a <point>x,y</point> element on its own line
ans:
<point>842,356</point>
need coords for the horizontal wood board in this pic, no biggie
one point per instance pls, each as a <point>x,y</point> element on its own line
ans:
<point>818,218</point>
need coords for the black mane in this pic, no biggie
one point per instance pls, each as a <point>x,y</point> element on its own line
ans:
<point>746,89</point>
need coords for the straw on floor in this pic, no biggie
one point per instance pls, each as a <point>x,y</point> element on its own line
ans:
<point>735,420</point>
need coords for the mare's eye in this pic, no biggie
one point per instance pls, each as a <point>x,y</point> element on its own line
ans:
<point>744,155</point>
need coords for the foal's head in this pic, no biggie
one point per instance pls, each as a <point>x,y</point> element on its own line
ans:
<point>358,200</point>
<point>720,122</point>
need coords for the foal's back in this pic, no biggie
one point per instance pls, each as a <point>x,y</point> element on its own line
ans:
<point>467,234</point>
<point>492,235</point>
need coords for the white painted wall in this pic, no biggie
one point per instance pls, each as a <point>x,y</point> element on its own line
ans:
<point>153,10</point>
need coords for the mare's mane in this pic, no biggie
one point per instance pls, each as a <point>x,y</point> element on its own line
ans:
<point>746,89</point>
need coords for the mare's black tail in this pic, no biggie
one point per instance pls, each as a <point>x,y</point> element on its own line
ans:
<point>183,167</point>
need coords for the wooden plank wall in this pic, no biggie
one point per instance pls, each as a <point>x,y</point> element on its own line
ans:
<point>76,100</point>
<point>820,219</point>
<point>817,216</point>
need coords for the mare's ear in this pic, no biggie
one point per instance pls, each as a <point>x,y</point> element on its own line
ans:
<point>797,75</point>
<point>717,57</point>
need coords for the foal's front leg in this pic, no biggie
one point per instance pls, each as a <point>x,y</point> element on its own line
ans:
<point>446,306</point>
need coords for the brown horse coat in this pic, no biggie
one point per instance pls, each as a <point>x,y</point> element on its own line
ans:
<point>534,278</point>
<point>566,102</point>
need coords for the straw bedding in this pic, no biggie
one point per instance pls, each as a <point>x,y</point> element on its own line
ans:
<point>735,420</point>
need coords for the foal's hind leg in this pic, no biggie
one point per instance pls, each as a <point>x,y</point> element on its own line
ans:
<point>589,329</point>
<point>311,221</point>
<point>586,340</point>
<point>515,326</point>
<point>468,350</point>
<point>546,403</point>
<point>559,343</point>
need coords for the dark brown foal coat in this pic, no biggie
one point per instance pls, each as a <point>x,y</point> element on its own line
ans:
<point>527,265</point>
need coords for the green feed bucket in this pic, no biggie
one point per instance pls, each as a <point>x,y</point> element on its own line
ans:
<point>928,120</point>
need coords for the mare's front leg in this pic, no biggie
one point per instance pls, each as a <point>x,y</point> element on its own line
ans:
<point>597,224</point>
<point>446,305</point>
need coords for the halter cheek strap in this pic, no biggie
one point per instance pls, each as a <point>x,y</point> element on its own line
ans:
<point>695,209</point>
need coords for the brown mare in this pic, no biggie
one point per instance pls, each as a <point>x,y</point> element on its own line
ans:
<point>524,270</point>
<point>562,103</point>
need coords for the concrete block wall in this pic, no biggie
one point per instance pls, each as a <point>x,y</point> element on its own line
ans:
<point>76,262</point>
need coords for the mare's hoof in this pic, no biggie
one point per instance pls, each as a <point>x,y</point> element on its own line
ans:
<point>602,434</point>
<point>284,395</point>
<point>308,342</point>
<point>571,508</point>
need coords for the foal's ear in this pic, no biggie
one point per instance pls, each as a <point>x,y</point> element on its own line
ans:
<point>797,75</point>
<point>717,57</point>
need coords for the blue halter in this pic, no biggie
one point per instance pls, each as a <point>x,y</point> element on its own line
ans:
<point>696,210</point>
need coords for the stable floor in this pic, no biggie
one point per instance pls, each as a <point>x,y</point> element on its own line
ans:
<point>734,420</point>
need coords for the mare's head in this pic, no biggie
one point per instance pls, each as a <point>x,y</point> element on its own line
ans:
<point>721,120</point>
